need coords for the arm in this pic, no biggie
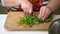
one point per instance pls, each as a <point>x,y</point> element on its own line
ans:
<point>10,3</point>
<point>46,10</point>
<point>53,4</point>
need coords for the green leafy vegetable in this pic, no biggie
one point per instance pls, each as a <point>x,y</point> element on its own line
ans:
<point>32,19</point>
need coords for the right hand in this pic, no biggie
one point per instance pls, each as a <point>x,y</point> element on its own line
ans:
<point>44,12</point>
<point>26,6</point>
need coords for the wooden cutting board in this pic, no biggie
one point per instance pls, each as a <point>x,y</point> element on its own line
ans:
<point>13,19</point>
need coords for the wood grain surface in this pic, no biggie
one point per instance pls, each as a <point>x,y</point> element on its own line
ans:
<point>13,19</point>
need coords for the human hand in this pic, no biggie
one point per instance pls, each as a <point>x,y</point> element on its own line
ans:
<point>44,12</point>
<point>26,6</point>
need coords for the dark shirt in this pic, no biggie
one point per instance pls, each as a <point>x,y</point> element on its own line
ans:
<point>0,2</point>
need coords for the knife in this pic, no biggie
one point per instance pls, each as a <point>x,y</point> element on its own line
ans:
<point>15,8</point>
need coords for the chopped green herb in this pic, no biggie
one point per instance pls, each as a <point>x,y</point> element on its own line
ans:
<point>32,19</point>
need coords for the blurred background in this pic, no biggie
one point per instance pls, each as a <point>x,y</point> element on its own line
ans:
<point>3,10</point>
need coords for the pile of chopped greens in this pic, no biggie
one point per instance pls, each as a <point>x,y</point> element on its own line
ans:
<point>32,19</point>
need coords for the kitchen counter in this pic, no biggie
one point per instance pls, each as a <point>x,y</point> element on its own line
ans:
<point>4,31</point>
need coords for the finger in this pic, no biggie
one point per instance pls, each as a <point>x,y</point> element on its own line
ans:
<point>27,9</point>
<point>40,13</point>
<point>44,13</point>
<point>13,5</point>
<point>30,10</point>
<point>44,17</point>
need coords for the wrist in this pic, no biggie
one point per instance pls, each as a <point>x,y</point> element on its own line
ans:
<point>51,9</point>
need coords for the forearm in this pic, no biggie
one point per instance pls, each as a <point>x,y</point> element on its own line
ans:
<point>7,2</point>
<point>53,4</point>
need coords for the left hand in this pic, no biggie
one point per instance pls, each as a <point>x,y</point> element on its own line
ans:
<point>44,12</point>
<point>26,6</point>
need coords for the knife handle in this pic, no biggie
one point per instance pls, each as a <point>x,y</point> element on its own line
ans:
<point>15,9</point>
